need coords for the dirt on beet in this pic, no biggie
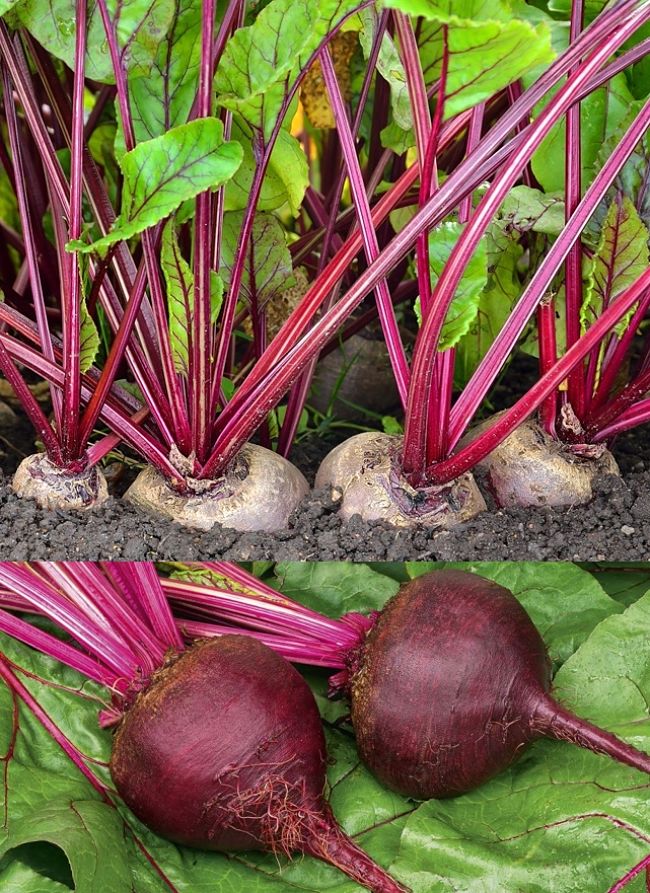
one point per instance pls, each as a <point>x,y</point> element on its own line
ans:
<point>615,526</point>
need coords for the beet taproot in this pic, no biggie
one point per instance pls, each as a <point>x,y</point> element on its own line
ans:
<point>453,683</point>
<point>225,751</point>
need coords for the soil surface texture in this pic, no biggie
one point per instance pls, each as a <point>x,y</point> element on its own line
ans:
<point>615,526</point>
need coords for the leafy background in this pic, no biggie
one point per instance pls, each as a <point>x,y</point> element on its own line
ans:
<point>562,819</point>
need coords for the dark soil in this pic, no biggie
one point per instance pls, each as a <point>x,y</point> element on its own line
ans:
<point>614,527</point>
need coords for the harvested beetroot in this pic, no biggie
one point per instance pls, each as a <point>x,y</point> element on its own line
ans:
<point>453,684</point>
<point>448,684</point>
<point>225,751</point>
<point>219,746</point>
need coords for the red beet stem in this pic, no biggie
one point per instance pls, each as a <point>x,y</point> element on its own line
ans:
<point>555,721</point>
<point>331,844</point>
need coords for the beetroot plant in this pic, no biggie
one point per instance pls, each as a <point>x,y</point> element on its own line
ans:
<point>274,167</point>
<point>218,746</point>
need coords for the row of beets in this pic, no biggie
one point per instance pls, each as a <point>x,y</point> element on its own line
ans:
<point>172,282</point>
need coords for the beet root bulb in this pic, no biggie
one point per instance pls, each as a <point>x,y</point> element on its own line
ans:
<point>52,487</point>
<point>364,472</point>
<point>224,750</point>
<point>531,468</point>
<point>258,491</point>
<point>453,684</point>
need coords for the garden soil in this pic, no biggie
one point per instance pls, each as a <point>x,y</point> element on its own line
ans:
<point>615,526</point>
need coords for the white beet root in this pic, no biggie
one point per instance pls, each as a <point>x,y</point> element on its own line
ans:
<point>365,471</point>
<point>259,491</point>
<point>531,468</point>
<point>52,487</point>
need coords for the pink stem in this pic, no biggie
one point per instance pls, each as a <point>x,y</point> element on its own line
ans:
<point>71,300</point>
<point>573,192</point>
<point>371,244</point>
<point>630,875</point>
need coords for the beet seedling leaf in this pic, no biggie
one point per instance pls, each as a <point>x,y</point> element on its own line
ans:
<point>162,173</point>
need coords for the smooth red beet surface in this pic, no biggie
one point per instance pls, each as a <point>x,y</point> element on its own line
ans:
<point>453,684</point>
<point>225,751</point>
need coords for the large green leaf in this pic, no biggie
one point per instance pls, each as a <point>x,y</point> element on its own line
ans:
<point>140,25</point>
<point>621,257</point>
<point>334,587</point>
<point>389,65</point>
<point>261,62</point>
<point>632,178</point>
<point>625,584</point>
<point>162,173</point>
<point>489,47</point>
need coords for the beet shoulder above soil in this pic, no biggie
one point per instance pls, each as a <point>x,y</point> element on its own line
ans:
<point>615,526</point>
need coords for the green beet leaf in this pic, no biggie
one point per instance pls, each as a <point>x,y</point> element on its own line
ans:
<point>162,173</point>
<point>495,302</point>
<point>602,115</point>
<point>261,62</point>
<point>621,257</point>
<point>140,27</point>
<point>16,877</point>
<point>180,297</point>
<point>285,181</point>
<point>463,309</point>
<point>489,47</point>
<point>164,98</point>
<point>268,261</point>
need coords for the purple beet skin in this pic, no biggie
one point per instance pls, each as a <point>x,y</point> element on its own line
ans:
<point>453,684</point>
<point>225,751</point>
